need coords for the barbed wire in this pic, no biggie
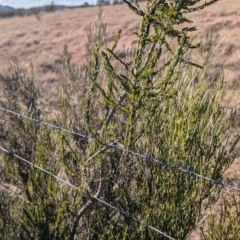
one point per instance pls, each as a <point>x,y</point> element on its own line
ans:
<point>76,188</point>
<point>129,216</point>
<point>59,128</point>
<point>147,157</point>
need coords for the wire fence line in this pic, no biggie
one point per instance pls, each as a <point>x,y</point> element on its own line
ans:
<point>147,157</point>
<point>59,128</point>
<point>76,188</point>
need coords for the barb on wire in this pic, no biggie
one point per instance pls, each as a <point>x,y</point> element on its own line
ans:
<point>176,168</point>
<point>121,148</point>
<point>92,197</point>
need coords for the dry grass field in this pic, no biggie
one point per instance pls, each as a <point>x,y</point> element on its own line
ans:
<point>39,40</point>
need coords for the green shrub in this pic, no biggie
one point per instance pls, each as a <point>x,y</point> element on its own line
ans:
<point>156,100</point>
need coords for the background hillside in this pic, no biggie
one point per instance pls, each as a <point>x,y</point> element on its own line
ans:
<point>40,39</point>
<point>37,3</point>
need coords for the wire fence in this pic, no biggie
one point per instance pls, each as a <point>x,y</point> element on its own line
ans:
<point>76,188</point>
<point>147,157</point>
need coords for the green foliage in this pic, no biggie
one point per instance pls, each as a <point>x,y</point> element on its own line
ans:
<point>152,101</point>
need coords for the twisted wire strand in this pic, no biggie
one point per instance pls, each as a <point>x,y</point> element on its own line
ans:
<point>117,146</point>
<point>76,188</point>
<point>59,128</point>
<point>133,218</point>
